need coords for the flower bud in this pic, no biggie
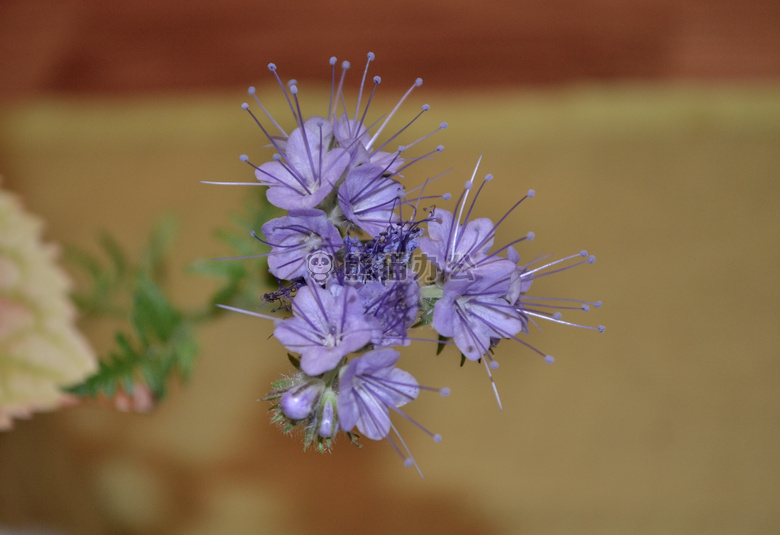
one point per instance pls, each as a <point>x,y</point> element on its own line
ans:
<point>328,425</point>
<point>299,402</point>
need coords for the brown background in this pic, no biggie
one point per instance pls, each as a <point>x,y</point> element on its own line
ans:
<point>650,131</point>
<point>98,47</point>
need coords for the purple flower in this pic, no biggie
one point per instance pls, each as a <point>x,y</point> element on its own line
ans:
<point>370,386</point>
<point>349,201</point>
<point>394,303</point>
<point>354,137</point>
<point>294,236</point>
<point>475,312</point>
<point>368,199</point>
<point>455,248</point>
<point>307,171</point>
<point>483,294</point>
<point>327,325</point>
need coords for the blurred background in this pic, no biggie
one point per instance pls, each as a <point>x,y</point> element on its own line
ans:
<point>650,131</point>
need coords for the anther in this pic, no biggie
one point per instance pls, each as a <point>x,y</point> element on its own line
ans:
<point>244,106</point>
<point>583,253</point>
<point>530,236</point>
<point>585,308</point>
<point>591,259</point>
<point>557,315</point>
<point>549,359</point>
<point>418,82</point>
<point>426,107</point>
<point>251,90</point>
<point>271,67</point>
<point>377,80</point>
<point>530,193</point>
<point>601,328</point>
<point>488,177</point>
<point>437,438</point>
<point>444,392</point>
<point>371,56</point>
<point>333,60</point>
<point>597,304</point>
<point>447,196</point>
<point>244,158</point>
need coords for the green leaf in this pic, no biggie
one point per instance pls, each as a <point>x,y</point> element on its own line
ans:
<point>115,254</point>
<point>153,315</point>
<point>295,361</point>
<point>426,312</point>
<point>118,368</point>
<point>441,344</point>
<point>153,255</point>
<point>160,341</point>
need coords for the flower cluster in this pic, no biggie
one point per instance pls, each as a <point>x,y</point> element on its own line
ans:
<point>361,264</point>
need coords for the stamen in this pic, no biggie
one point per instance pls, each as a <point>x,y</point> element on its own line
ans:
<point>409,163</point>
<point>424,108</point>
<point>340,91</point>
<point>582,253</point>
<point>332,85</point>
<point>252,91</point>
<point>275,145</point>
<point>492,232</point>
<point>493,384</point>
<point>456,223</point>
<point>421,187</point>
<point>360,93</point>
<point>248,312</point>
<point>377,81</point>
<point>292,172</point>
<point>556,318</point>
<point>417,83</point>
<point>409,459</point>
<point>299,116</point>
<point>272,68</point>
<point>231,183</point>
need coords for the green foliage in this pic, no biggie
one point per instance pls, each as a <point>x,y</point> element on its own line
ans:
<point>156,341</point>
<point>245,276</point>
<point>442,342</point>
<point>426,312</point>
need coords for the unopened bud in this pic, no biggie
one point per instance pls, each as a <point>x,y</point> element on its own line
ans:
<point>299,402</point>
<point>328,422</point>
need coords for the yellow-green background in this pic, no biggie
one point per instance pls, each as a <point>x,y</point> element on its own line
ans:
<point>667,423</point>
